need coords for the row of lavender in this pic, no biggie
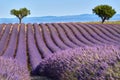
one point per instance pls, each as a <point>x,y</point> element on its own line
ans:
<point>33,42</point>
<point>88,63</point>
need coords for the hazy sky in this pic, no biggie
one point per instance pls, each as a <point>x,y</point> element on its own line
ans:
<point>54,7</point>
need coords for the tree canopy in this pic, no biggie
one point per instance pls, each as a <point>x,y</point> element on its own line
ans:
<point>105,12</point>
<point>21,13</point>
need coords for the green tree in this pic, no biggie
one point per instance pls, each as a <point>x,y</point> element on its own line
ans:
<point>105,12</point>
<point>21,13</point>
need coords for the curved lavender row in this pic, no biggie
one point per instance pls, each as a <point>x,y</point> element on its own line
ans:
<point>83,32</point>
<point>89,63</point>
<point>40,42</point>
<point>21,54</point>
<point>56,37</point>
<point>10,69</point>
<point>64,37</point>
<point>79,35</point>
<point>88,35</point>
<point>87,28</point>
<point>10,49</point>
<point>2,26</point>
<point>116,28</point>
<point>1,29</point>
<point>71,36</point>
<point>101,34</point>
<point>110,36</point>
<point>4,39</point>
<point>108,33</point>
<point>95,34</point>
<point>48,39</point>
<point>109,28</point>
<point>34,54</point>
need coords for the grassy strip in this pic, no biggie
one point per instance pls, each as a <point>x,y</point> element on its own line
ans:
<point>107,22</point>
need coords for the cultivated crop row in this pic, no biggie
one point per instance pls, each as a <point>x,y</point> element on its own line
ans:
<point>29,43</point>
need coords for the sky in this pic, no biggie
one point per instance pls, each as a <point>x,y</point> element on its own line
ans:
<point>39,8</point>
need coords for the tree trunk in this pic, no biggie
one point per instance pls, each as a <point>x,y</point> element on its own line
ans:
<point>20,20</point>
<point>103,20</point>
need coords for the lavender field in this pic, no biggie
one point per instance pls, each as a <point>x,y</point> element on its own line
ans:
<point>55,50</point>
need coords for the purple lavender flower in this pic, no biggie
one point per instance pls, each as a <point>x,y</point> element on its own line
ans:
<point>89,63</point>
<point>10,69</point>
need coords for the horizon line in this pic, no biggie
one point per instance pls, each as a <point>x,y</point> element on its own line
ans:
<point>53,15</point>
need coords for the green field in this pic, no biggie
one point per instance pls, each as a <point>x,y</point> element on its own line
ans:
<point>107,22</point>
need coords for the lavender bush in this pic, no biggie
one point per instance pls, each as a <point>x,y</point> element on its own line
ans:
<point>40,41</point>
<point>10,51</point>
<point>21,53</point>
<point>71,36</point>
<point>56,38</point>
<point>63,36</point>
<point>103,34</point>
<point>10,69</point>
<point>89,63</point>
<point>35,56</point>
<point>4,38</point>
<point>53,47</point>
<point>95,33</point>
<point>78,35</point>
<point>109,33</point>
